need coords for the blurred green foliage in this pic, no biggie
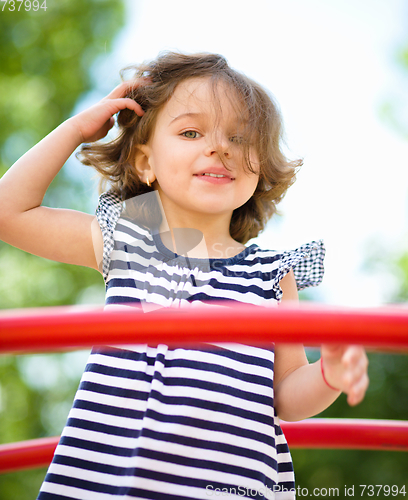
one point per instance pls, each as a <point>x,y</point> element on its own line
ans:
<point>394,109</point>
<point>386,398</point>
<point>401,264</point>
<point>46,59</point>
<point>45,63</point>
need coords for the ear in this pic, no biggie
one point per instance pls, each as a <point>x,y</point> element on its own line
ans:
<point>142,163</point>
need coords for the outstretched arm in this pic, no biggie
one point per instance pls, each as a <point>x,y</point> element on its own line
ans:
<point>57,234</point>
<point>300,389</point>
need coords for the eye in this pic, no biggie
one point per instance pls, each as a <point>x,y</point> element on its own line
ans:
<point>190,134</point>
<point>237,139</point>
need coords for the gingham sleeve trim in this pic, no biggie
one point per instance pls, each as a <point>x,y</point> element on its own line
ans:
<point>307,264</point>
<point>108,212</point>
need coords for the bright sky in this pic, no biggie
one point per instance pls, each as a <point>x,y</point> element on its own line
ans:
<point>331,65</point>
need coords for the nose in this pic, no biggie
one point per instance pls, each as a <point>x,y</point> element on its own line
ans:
<point>218,144</point>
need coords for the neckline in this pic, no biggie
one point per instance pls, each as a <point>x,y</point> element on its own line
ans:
<point>166,252</point>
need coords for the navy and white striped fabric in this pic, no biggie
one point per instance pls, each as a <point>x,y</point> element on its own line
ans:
<point>160,423</point>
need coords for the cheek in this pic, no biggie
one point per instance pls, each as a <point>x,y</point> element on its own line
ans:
<point>250,161</point>
<point>252,170</point>
<point>254,161</point>
<point>255,180</point>
<point>249,185</point>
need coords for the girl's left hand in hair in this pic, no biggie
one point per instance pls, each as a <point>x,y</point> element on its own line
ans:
<point>95,122</point>
<point>345,368</point>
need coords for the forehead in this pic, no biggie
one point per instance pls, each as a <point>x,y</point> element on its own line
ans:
<point>212,100</point>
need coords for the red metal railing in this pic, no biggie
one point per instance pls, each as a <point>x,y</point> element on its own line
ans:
<point>51,329</point>
<point>73,327</point>
<point>313,433</point>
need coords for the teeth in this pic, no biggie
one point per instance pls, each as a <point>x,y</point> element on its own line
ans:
<point>214,175</point>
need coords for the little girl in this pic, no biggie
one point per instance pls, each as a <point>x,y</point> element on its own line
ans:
<point>195,172</point>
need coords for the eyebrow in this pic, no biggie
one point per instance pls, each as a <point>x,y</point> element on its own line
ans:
<point>186,115</point>
<point>198,115</point>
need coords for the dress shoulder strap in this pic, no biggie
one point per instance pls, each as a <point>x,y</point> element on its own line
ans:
<point>107,213</point>
<point>307,264</point>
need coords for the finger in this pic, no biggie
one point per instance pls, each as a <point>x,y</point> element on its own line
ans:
<point>355,368</point>
<point>357,380</point>
<point>103,130</point>
<point>119,94</point>
<point>125,87</point>
<point>354,355</point>
<point>358,391</point>
<point>127,103</point>
<point>113,106</point>
<point>109,124</point>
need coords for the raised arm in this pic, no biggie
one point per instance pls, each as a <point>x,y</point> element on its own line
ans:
<point>300,389</point>
<point>57,234</point>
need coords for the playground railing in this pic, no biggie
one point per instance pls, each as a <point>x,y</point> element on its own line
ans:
<point>67,328</point>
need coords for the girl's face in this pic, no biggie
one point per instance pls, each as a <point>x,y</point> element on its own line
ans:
<point>194,140</point>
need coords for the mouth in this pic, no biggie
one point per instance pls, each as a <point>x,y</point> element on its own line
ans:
<point>217,176</point>
<point>214,178</point>
<point>215,173</point>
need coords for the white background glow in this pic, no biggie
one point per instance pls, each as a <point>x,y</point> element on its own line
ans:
<point>331,66</point>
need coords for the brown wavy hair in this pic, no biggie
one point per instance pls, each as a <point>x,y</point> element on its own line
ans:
<point>263,127</point>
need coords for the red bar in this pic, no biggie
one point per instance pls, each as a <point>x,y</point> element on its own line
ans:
<point>351,434</point>
<point>27,454</point>
<point>354,434</point>
<point>74,327</point>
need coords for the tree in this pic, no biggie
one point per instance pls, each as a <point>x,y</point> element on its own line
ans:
<point>46,57</point>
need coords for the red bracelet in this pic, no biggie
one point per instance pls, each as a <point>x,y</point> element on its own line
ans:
<point>324,378</point>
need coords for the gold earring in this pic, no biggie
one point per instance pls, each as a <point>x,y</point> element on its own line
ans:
<point>148,182</point>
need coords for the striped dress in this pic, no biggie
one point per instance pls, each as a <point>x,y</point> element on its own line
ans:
<point>154,422</point>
